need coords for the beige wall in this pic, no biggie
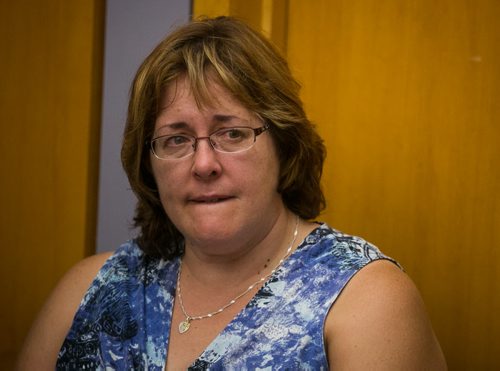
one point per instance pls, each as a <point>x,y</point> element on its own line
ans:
<point>49,114</point>
<point>407,97</point>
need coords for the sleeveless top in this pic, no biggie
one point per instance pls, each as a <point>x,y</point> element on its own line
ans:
<point>123,322</point>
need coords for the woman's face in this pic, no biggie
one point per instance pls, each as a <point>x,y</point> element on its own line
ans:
<point>216,199</point>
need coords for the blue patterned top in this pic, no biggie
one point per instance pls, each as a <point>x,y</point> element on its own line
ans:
<point>124,319</point>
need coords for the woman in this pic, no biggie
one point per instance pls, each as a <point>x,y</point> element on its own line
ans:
<point>228,272</point>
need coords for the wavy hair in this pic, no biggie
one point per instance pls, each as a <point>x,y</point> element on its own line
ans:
<point>254,72</point>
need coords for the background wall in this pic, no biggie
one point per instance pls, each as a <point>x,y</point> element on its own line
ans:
<point>51,63</point>
<point>133,28</point>
<point>50,114</point>
<point>407,97</point>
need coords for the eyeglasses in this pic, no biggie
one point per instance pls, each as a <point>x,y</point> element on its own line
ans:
<point>226,140</point>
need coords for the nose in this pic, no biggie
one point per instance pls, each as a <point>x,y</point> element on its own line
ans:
<point>206,163</point>
<point>196,140</point>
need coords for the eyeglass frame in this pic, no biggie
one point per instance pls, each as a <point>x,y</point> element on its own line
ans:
<point>256,133</point>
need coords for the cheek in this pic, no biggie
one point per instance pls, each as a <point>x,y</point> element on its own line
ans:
<point>273,163</point>
<point>266,169</point>
<point>169,194</point>
<point>163,177</point>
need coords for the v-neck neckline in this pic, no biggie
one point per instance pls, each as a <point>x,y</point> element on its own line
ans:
<point>230,325</point>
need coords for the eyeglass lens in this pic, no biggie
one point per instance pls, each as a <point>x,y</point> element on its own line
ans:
<point>235,139</point>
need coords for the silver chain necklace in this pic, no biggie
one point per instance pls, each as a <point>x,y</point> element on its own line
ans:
<point>184,325</point>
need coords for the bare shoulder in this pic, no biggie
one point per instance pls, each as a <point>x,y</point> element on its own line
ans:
<point>379,322</point>
<point>54,320</point>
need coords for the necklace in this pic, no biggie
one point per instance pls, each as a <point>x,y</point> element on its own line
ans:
<point>184,325</point>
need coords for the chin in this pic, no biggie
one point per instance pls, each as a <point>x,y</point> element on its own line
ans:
<point>213,231</point>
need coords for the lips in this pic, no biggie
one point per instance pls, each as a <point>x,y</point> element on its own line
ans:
<point>210,199</point>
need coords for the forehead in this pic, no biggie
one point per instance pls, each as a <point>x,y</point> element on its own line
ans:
<point>207,92</point>
<point>182,97</point>
<point>180,108</point>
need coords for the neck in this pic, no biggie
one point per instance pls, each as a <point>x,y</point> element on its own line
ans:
<point>185,324</point>
<point>255,257</point>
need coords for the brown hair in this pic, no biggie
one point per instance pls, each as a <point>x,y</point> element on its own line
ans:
<point>250,68</point>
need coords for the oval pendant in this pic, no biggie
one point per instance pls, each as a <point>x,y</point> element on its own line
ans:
<point>184,326</point>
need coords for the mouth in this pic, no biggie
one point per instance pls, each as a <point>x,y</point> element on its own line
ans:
<point>210,199</point>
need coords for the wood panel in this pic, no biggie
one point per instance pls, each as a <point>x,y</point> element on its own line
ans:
<point>49,115</point>
<point>407,96</point>
<point>267,16</point>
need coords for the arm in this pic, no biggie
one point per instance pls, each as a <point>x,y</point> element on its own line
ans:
<point>379,323</point>
<point>47,334</point>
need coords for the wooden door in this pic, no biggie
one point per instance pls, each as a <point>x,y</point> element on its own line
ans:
<point>407,97</point>
<point>49,113</point>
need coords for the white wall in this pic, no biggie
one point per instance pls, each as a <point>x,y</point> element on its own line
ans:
<point>133,28</point>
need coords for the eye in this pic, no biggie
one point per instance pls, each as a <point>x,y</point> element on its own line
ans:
<point>175,141</point>
<point>233,134</point>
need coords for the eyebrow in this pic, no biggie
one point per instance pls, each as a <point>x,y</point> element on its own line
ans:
<point>176,125</point>
<point>223,118</point>
<point>217,118</point>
